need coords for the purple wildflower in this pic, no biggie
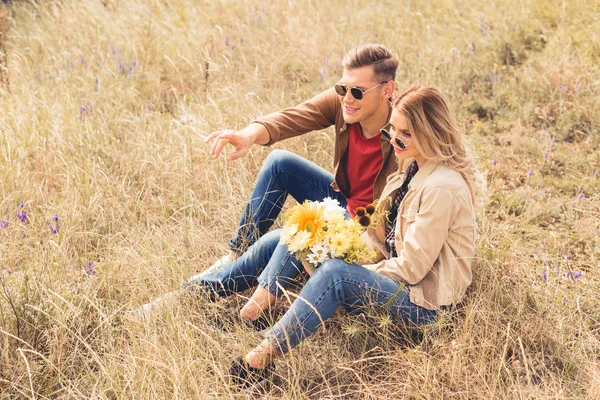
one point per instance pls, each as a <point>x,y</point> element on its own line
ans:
<point>494,162</point>
<point>596,174</point>
<point>530,173</point>
<point>90,268</point>
<point>546,154</point>
<point>483,27</point>
<point>22,214</point>
<point>564,300</point>
<point>577,275</point>
<point>55,228</point>
<point>568,274</point>
<point>84,111</point>
<point>581,196</point>
<point>544,275</point>
<point>4,223</point>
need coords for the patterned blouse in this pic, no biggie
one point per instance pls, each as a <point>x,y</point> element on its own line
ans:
<point>390,239</point>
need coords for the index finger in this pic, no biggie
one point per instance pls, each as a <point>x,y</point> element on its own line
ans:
<point>212,136</point>
<point>219,144</point>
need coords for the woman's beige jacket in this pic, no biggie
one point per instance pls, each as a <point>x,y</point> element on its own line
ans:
<point>435,235</point>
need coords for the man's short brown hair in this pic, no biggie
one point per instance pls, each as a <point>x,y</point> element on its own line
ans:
<point>377,55</point>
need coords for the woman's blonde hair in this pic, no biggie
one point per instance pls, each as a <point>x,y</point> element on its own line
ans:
<point>437,135</point>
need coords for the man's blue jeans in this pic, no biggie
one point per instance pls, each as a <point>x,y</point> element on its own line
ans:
<point>282,174</point>
<point>266,262</point>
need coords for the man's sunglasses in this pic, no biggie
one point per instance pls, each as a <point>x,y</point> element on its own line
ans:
<point>397,140</point>
<point>357,93</point>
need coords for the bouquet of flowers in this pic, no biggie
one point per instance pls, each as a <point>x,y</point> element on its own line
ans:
<point>319,230</point>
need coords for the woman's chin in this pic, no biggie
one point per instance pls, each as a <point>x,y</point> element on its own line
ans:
<point>401,156</point>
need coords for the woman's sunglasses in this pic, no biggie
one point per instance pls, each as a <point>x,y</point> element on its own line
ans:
<point>397,140</point>
<point>357,93</point>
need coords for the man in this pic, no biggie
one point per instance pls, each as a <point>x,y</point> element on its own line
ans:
<point>358,106</point>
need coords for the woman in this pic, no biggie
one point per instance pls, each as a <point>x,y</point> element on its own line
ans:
<point>425,245</point>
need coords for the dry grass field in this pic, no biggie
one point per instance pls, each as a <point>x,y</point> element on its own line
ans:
<point>108,197</point>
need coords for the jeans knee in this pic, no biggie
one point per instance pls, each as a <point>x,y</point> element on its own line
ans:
<point>333,268</point>
<point>275,160</point>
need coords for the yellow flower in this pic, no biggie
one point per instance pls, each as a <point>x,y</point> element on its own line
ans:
<point>335,218</point>
<point>288,233</point>
<point>340,243</point>
<point>357,241</point>
<point>300,241</point>
<point>309,218</point>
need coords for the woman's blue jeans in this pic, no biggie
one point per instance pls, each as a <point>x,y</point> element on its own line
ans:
<point>282,174</point>
<point>338,284</point>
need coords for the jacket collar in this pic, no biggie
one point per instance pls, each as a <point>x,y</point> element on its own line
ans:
<point>397,179</point>
<point>424,171</point>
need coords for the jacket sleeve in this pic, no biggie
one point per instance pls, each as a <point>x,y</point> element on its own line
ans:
<point>314,114</point>
<point>424,237</point>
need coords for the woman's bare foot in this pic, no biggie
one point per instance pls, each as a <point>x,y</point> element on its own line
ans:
<point>262,355</point>
<point>260,301</point>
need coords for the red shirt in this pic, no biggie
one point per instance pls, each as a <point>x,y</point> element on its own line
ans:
<point>363,162</point>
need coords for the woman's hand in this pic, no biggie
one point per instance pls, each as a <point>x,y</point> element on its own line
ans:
<point>307,267</point>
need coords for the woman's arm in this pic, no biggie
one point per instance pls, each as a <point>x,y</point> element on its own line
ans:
<point>307,267</point>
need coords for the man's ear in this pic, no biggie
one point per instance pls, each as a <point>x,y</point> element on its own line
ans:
<point>388,89</point>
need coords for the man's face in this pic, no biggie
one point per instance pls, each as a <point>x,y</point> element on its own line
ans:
<point>360,110</point>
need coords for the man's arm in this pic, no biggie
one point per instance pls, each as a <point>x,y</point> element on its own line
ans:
<point>314,114</point>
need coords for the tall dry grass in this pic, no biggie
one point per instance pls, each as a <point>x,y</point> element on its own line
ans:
<point>104,106</point>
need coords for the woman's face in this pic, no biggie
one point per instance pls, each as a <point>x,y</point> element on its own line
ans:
<point>398,128</point>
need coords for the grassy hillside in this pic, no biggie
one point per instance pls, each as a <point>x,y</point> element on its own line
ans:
<point>108,197</point>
